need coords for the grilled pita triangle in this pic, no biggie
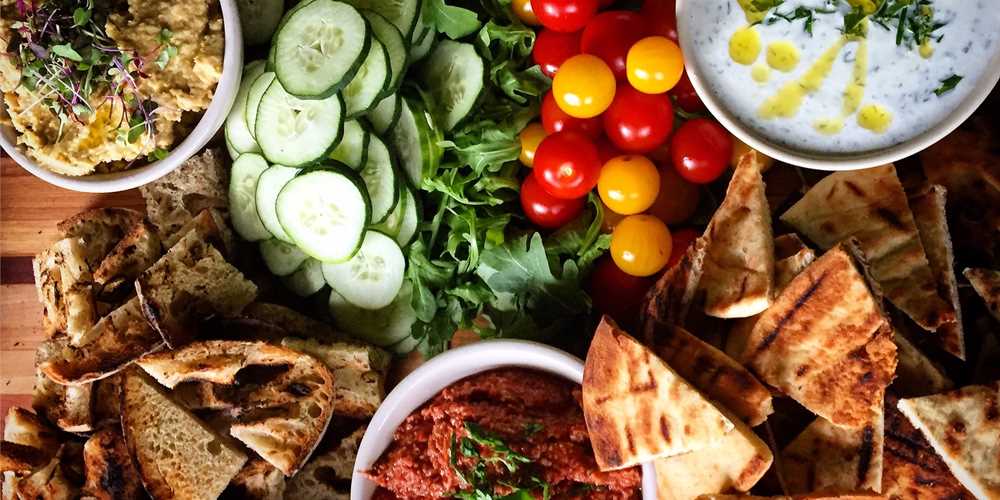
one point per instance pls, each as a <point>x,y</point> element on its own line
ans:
<point>870,205</point>
<point>963,427</point>
<point>739,264</point>
<point>825,342</point>
<point>828,458</point>
<point>670,299</point>
<point>986,283</point>
<point>736,462</point>
<point>916,374</point>
<point>815,496</point>
<point>932,224</point>
<point>637,408</point>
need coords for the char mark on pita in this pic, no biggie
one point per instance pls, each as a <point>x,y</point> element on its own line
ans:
<point>831,459</point>
<point>670,299</point>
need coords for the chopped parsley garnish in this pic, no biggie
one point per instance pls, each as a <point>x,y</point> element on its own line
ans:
<point>947,85</point>
<point>854,22</point>
<point>533,428</point>
<point>913,20</point>
<point>490,452</point>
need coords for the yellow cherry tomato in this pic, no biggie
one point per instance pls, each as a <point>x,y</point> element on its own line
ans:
<point>628,184</point>
<point>677,199</point>
<point>610,220</point>
<point>522,9</point>
<point>584,86</point>
<point>641,245</point>
<point>531,137</point>
<point>654,65</point>
<point>741,148</point>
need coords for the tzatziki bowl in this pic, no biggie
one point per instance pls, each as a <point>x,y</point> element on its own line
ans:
<point>840,84</point>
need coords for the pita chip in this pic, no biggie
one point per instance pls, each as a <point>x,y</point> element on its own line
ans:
<point>670,299</point>
<point>986,283</point>
<point>826,342</point>
<point>739,264</point>
<point>715,374</point>
<point>815,496</point>
<point>963,427</point>
<point>870,205</point>
<point>916,374</point>
<point>929,214</point>
<point>638,408</point>
<point>736,462</point>
<point>911,468</point>
<point>828,458</point>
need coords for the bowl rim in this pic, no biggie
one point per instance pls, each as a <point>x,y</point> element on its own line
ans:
<point>833,162</point>
<point>209,123</point>
<point>447,368</point>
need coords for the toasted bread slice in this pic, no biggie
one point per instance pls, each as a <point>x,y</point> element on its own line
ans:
<point>174,199</point>
<point>670,299</point>
<point>736,462</point>
<point>109,471</point>
<point>135,252</point>
<point>49,482</point>
<point>67,406</point>
<point>929,213</point>
<point>911,468</point>
<point>118,339</point>
<point>100,229</point>
<point>293,322</point>
<point>328,476</point>
<point>359,373</point>
<point>211,224</point>
<point>288,415</point>
<point>191,282</point>
<point>826,342</point>
<point>178,456</point>
<point>22,459</point>
<point>739,264</point>
<point>916,374</point>
<point>716,375</point>
<point>963,427</point>
<point>831,459</point>
<point>23,427</point>
<point>986,283</point>
<point>638,408</point>
<point>870,205</point>
<point>65,289</point>
<point>258,480</point>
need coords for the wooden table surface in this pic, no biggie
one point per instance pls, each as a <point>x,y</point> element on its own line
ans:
<point>29,211</point>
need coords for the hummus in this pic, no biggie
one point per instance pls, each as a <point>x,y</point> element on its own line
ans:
<point>527,418</point>
<point>95,140</point>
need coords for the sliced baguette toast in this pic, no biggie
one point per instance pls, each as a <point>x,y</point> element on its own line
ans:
<point>65,289</point>
<point>100,229</point>
<point>258,480</point>
<point>133,254</point>
<point>328,476</point>
<point>109,470</point>
<point>359,373</point>
<point>201,182</point>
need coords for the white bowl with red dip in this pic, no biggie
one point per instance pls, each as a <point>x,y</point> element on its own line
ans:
<point>488,358</point>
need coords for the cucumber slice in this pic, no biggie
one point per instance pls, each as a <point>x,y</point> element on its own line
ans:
<point>405,346</point>
<point>259,18</point>
<point>415,141</point>
<point>242,202</point>
<point>401,13</point>
<point>384,115</point>
<point>254,95</point>
<point>307,280</point>
<point>370,82</point>
<point>239,138</point>
<point>325,212</point>
<point>454,77</point>
<point>394,221</point>
<point>353,148</point>
<point>380,179</point>
<point>372,278</point>
<point>281,258</point>
<point>383,327</point>
<point>395,44</point>
<point>411,219</point>
<point>270,58</point>
<point>420,49</point>
<point>319,47</point>
<point>268,186</point>
<point>296,132</point>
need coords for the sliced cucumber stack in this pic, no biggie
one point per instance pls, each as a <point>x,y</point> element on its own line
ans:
<point>307,280</point>
<point>410,222</point>
<point>281,258</point>
<point>353,148</point>
<point>254,95</point>
<point>415,140</point>
<point>372,278</point>
<point>370,82</point>
<point>395,45</point>
<point>268,186</point>
<point>422,47</point>
<point>454,77</point>
<point>296,132</point>
<point>380,179</point>
<point>239,138</point>
<point>401,13</point>
<point>242,196</point>
<point>325,212</point>
<point>383,327</point>
<point>385,114</point>
<point>319,47</point>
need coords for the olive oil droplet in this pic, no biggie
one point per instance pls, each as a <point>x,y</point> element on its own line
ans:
<point>744,45</point>
<point>875,117</point>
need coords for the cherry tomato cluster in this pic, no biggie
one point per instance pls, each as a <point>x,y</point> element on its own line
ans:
<point>609,123</point>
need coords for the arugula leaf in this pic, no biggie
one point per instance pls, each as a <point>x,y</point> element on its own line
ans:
<point>947,85</point>
<point>453,21</point>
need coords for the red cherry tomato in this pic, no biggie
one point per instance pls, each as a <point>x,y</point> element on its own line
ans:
<point>637,122</point>
<point>685,96</point>
<point>554,119</point>
<point>552,48</point>
<point>606,150</point>
<point>662,15</point>
<point>565,16</point>
<point>701,150</point>
<point>567,164</point>
<point>681,239</point>
<point>545,210</point>
<point>616,293</point>
<point>609,35</point>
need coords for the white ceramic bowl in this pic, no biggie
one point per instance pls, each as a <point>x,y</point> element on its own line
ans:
<point>448,368</point>
<point>973,99</point>
<point>211,121</point>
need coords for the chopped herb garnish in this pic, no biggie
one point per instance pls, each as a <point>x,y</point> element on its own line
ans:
<point>947,85</point>
<point>854,22</point>
<point>913,20</point>
<point>765,5</point>
<point>533,428</point>
<point>487,451</point>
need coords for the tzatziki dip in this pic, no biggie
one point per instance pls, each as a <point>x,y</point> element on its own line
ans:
<point>840,76</point>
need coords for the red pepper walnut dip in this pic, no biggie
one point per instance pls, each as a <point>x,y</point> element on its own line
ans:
<point>507,433</point>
